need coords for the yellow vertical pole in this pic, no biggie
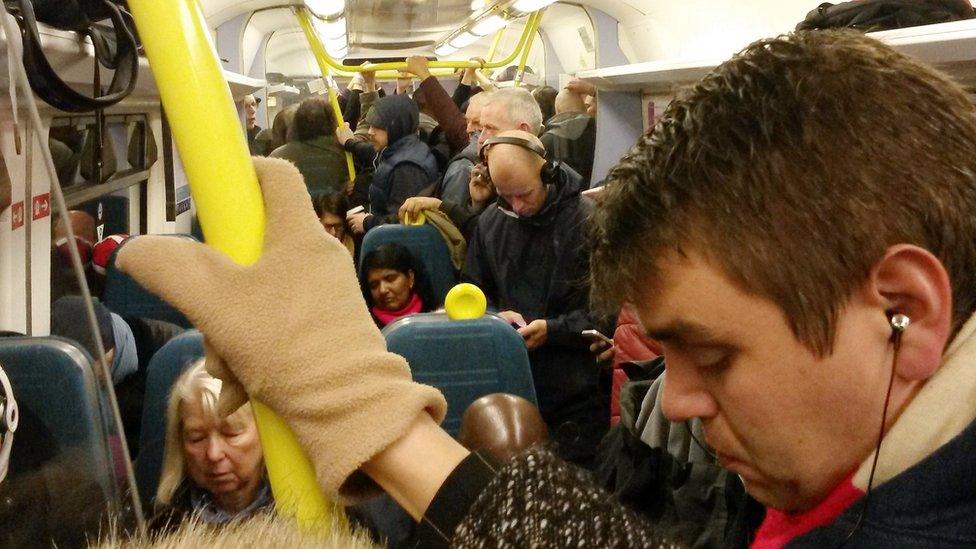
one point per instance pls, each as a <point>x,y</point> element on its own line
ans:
<point>224,185</point>
<point>533,23</point>
<point>494,46</point>
<point>319,53</point>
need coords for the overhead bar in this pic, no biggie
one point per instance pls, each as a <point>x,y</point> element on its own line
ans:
<point>322,56</point>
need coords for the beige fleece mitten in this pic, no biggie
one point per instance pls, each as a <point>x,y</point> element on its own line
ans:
<point>294,330</point>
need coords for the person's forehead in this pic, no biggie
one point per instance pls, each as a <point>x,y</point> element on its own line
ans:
<point>687,299</point>
<point>509,174</point>
<point>495,113</point>
<point>194,417</point>
<point>381,272</point>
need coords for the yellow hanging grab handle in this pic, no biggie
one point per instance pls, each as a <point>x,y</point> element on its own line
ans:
<point>212,146</point>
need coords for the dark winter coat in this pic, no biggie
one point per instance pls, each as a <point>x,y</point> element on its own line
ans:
<point>405,166</point>
<point>538,267</point>
<point>570,137</point>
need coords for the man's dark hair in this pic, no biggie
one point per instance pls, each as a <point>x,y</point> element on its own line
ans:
<point>545,96</point>
<point>313,119</point>
<point>793,167</point>
<point>334,203</point>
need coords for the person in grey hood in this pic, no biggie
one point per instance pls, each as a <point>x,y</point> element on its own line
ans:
<point>404,163</point>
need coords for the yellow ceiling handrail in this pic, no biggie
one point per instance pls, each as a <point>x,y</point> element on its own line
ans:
<point>322,56</point>
<point>494,46</point>
<point>520,73</point>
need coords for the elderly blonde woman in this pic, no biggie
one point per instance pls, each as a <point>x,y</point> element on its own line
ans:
<point>212,468</point>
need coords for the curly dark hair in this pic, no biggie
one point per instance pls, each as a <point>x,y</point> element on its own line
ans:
<point>793,167</point>
<point>314,118</point>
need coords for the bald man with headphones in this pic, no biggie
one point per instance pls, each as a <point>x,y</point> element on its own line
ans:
<point>530,257</point>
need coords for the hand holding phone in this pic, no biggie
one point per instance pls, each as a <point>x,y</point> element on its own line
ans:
<point>595,335</point>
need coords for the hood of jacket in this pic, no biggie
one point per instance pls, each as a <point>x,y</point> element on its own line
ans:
<point>569,125</point>
<point>469,152</point>
<point>397,114</point>
<point>427,123</point>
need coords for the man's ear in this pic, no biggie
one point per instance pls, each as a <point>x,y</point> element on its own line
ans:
<point>910,280</point>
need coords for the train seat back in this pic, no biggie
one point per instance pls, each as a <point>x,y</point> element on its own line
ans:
<point>111,214</point>
<point>464,359</point>
<point>65,424</point>
<point>427,246</point>
<point>124,296</point>
<point>166,365</point>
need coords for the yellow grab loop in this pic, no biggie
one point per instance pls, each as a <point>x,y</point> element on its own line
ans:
<point>212,146</point>
<point>414,219</point>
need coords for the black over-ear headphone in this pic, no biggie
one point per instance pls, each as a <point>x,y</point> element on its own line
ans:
<point>548,169</point>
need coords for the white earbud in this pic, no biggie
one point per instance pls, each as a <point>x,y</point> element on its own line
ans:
<point>900,322</point>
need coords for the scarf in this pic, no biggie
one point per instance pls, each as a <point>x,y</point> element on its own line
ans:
<point>126,359</point>
<point>206,508</point>
<point>415,305</point>
<point>942,409</point>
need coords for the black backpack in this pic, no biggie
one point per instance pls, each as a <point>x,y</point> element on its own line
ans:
<point>116,48</point>
<point>877,15</point>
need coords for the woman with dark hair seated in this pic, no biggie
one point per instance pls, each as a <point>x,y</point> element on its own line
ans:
<point>331,210</point>
<point>394,284</point>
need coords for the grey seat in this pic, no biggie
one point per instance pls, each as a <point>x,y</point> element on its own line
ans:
<point>124,296</point>
<point>166,365</point>
<point>63,448</point>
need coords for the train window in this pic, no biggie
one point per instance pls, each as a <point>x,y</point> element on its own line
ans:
<point>96,164</point>
<point>93,159</point>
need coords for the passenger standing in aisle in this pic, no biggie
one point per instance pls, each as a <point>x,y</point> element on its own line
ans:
<point>404,163</point>
<point>315,151</point>
<point>530,258</point>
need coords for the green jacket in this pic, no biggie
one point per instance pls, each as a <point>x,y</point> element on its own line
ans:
<point>321,161</point>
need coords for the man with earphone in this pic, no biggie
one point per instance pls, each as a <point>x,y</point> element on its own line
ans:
<point>796,231</point>
<point>528,255</point>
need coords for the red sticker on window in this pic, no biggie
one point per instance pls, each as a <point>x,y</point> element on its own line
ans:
<point>16,216</point>
<point>41,206</point>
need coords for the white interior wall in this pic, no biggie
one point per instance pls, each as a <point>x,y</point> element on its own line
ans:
<point>565,26</point>
<point>705,29</point>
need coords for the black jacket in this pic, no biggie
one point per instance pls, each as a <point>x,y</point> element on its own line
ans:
<point>571,138</point>
<point>405,167</point>
<point>538,267</point>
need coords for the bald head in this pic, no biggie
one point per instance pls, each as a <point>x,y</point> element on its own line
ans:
<point>505,425</point>
<point>517,173</point>
<point>567,101</point>
<point>82,225</point>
